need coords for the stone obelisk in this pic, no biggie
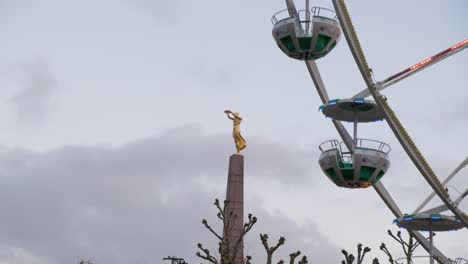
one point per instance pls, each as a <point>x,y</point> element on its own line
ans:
<point>235,198</point>
<point>235,188</point>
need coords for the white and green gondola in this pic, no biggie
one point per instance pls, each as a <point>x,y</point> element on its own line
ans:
<point>367,160</point>
<point>307,34</point>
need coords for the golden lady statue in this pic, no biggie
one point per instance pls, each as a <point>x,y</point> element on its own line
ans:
<point>238,139</point>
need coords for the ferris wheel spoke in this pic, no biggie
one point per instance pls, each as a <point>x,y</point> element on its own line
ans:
<point>415,68</point>
<point>443,207</point>
<point>387,198</point>
<point>291,7</point>
<point>429,198</point>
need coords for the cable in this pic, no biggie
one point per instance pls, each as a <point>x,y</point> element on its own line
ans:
<point>455,189</point>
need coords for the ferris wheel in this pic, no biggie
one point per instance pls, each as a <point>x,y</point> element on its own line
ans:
<point>310,34</point>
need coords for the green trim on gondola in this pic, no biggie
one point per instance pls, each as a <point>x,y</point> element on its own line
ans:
<point>288,43</point>
<point>345,165</point>
<point>366,173</point>
<point>436,216</point>
<point>304,42</point>
<point>348,174</point>
<point>347,170</point>
<point>332,174</point>
<point>381,173</point>
<point>341,164</point>
<point>408,216</point>
<point>322,42</point>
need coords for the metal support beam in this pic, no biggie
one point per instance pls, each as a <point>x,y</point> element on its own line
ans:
<point>415,68</point>
<point>454,172</point>
<point>431,250</point>
<point>443,207</point>
<point>291,8</point>
<point>355,129</point>
<point>308,15</point>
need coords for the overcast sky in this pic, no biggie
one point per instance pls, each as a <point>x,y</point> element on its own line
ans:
<point>114,143</point>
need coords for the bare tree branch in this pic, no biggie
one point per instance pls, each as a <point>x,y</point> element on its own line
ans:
<point>293,256</point>
<point>362,253</point>
<point>205,223</point>
<point>383,247</point>
<point>247,227</point>
<point>207,256</point>
<point>220,213</point>
<point>303,260</point>
<point>270,250</point>
<point>227,248</point>
<point>349,258</point>
<point>408,247</point>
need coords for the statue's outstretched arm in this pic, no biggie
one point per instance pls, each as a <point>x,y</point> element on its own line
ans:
<point>236,116</point>
<point>229,113</point>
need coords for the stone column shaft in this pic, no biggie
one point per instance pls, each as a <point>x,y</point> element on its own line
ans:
<point>235,197</point>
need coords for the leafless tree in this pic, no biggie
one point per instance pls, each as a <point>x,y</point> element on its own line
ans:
<point>271,250</point>
<point>349,258</point>
<point>408,246</point>
<point>227,251</point>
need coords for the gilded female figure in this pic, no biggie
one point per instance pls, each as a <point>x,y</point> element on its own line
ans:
<point>238,139</point>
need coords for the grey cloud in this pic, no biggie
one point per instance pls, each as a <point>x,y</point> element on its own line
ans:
<point>135,203</point>
<point>37,85</point>
<point>160,10</point>
<point>307,239</point>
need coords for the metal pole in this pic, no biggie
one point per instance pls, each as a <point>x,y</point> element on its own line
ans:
<point>355,128</point>
<point>307,16</point>
<point>431,239</point>
<point>416,68</point>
